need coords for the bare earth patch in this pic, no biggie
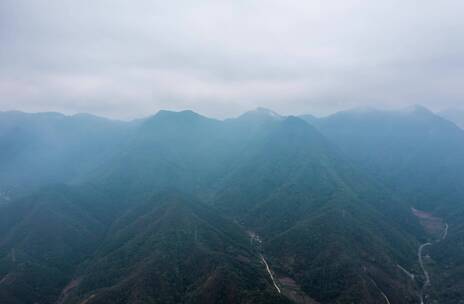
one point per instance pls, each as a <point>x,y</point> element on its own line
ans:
<point>433,225</point>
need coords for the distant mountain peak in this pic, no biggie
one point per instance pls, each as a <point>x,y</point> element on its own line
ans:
<point>169,119</point>
<point>30,114</point>
<point>295,121</point>
<point>185,115</point>
<point>177,113</point>
<point>91,117</point>
<point>262,113</point>
<point>266,111</point>
<point>415,109</point>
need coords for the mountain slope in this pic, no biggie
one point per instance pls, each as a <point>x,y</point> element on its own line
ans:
<point>416,153</point>
<point>43,237</point>
<point>420,156</point>
<point>291,187</point>
<point>44,148</point>
<point>171,150</point>
<point>329,231</point>
<point>172,250</point>
<point>61,246</point>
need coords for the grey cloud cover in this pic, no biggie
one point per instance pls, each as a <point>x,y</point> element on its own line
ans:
<point>128,59</point>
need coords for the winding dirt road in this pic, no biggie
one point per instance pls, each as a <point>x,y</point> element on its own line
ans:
<point>421,262</point>
<point>445,232</point>
<point>426,274</point>
<point>436,228</point>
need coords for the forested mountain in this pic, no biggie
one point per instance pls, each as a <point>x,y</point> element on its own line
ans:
<point>297,191</point>
<point>262,208</point>
<point>419,156</point>
<point>173,250</point>
<point>39,149</point>
<point>415,152</point>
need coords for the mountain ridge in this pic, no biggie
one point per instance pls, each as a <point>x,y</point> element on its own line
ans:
<point>178,190</point>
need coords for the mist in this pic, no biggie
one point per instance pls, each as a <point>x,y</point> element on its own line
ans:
<point>124,60</point>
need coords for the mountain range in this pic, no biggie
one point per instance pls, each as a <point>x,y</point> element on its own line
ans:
<point>262,208</point>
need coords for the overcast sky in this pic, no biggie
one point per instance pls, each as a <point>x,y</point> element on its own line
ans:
<point>128,59</point>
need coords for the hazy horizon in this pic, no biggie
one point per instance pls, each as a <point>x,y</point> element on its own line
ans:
<point>146,115</point>
<point>120,60</point>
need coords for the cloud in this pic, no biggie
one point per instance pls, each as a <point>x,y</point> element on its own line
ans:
<point>127,59</point>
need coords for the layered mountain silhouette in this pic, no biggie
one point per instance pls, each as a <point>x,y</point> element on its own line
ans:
<point>262,208</point>
<point>414,151</point>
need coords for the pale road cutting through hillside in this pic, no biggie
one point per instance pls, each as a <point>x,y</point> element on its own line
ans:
<point>385,296</point>
<point>421,263</point>
<point>255,241</point>
<point>445,233</point>
<point>426,274</point>
<point>270,274</point>
<point>381,292</point>
<point>410,275</point>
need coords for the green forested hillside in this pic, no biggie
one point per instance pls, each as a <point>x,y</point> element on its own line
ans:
<point>161,210</point>
<point>307,201</point>
<point>419,156</point>
<point>415,152</point>
<point>173,250</point>
<point>44,148</point>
